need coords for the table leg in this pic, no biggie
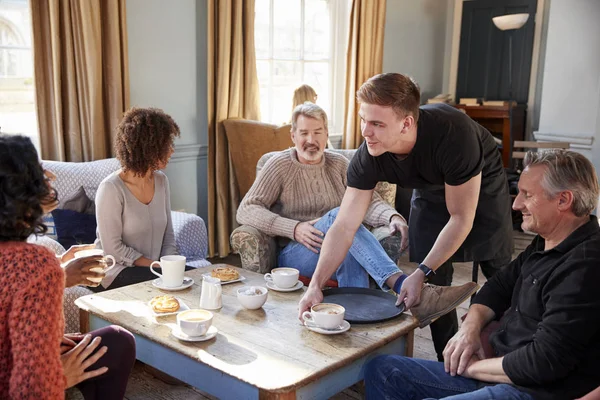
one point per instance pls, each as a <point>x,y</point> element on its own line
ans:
<point>84,321</point>
<point>410,341</point>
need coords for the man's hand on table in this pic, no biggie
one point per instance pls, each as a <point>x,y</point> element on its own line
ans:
<point>312,296</point>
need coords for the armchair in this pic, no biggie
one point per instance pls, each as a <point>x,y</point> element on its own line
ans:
<point>190,231</point>
<point>258,251</point>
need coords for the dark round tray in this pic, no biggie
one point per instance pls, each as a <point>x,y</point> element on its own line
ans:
<point>364,306</point>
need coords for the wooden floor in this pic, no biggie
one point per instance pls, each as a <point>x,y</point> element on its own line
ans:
<point>146,386</point>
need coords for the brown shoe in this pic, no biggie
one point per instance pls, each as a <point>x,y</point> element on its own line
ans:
<point>440,300</point>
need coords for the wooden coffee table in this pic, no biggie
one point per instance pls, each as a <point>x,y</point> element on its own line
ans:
<point>265,353</point>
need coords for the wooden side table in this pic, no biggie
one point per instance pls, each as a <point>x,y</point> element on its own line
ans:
<point>507,121</point>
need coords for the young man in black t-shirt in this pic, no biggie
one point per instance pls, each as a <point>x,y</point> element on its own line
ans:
<point>460,210</point>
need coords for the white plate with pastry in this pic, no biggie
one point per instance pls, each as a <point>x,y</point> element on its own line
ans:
<point>166,305</point>
<point>226,275</point>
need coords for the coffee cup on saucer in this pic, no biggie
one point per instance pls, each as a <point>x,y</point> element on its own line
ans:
<point>325,315</point>
<point>283,278</point>
<point>173,268</point>
<point>105,257</point>
<point>194,322</point>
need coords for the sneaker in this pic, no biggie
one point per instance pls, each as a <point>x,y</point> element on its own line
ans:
<point>437,301</point>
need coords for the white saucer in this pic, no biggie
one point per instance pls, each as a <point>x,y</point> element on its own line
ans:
<point>341,329</point>
<point>211,333</point>
<point>298,285</point>
<point>182,307</point>
<point>240,279</point>
<point>187,282</point>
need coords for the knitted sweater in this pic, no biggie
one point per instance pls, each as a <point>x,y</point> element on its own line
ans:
<point>31,322</point>
<point>287,192</point>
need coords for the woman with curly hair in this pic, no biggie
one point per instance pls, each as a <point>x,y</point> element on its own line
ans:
<point>38,361</point>
<point>133,207</point>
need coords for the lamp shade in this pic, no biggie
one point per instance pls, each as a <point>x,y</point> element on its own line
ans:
<point>511,21</point>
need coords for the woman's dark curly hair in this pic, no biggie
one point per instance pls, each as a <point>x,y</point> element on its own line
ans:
<point>144,139</point>
<point>23,189</point>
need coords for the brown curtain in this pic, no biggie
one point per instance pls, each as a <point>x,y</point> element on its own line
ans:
<point>81,76</point>
<point>364,59</point>
<point>233,92</point>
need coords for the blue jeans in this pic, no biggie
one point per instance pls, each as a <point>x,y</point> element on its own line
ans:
<point>366,257</point>
<point>398,377</point>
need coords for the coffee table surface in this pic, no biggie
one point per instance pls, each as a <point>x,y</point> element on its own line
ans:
<point>268,348</point>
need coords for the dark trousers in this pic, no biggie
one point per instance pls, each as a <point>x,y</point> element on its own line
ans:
<point>446,326</point>
<point>131,276</point>
<point>119,359</point>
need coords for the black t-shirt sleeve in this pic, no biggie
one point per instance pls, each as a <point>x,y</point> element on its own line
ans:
<point>461,156</point>
<point>362,171</point>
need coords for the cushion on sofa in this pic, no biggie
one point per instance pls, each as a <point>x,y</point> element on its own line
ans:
<point>74,228</point>
<point>78,201</point>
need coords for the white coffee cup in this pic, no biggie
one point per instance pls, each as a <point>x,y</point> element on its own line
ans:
<point>173,268</point>
<point>97,252</point>
<point>325,315</point>
<point>194,322</point>
<point>283,278</point>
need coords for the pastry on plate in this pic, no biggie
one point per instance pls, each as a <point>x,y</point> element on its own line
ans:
<point>225,274</point>
<point>164,304</point>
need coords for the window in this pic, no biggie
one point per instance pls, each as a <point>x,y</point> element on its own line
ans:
<point>301,42</point>
<point>17,98</point>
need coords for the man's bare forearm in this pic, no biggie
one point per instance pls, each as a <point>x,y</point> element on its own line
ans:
<point>477,317</point>
<point>448,241</point>
<point>333,252</point>
<point>488,370</point>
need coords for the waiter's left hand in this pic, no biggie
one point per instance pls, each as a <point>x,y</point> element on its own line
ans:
<point>398,224</point>
<point>410,292</point>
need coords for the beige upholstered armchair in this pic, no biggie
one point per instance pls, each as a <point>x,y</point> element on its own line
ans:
<point>258,251</point>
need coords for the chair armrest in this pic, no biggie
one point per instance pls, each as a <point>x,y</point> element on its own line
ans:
<point>257,250</point>
<point>390,243</point>
<point>47,242</point>
<point>190,235</point>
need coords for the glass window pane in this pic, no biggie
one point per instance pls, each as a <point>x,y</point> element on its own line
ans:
<point>316,30</point>
<point>316,74</point>
<point>287,76</point>
<point>286,29</point>
<point>17,100</point>
<point>262,28</point>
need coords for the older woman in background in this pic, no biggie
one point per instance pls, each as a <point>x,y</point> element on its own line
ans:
<point>36,360</point>
<point>133,206</point>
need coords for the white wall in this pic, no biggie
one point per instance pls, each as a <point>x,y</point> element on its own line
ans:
<point>570,104</point>
<point>167,69</point>
<point>416,42</point>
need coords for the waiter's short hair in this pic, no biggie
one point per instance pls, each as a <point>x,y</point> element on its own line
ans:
<point>568,170</point>
<point>401,92</point>
<point>309,110</point>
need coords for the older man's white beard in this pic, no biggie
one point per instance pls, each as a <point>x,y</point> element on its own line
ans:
<point>312,153</point>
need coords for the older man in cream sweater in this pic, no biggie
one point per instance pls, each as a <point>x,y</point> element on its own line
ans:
<point>297,195</point>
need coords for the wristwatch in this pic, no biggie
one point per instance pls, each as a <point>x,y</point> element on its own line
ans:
<point>427,271</point>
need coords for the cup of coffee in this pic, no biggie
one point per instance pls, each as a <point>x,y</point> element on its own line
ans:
<point>283,278</point>
<point>173,268</point>
<point>105,257</point>
<point>194,322</point>
<point>325,315</point>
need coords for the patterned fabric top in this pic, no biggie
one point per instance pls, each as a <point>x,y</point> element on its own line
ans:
<point>70,176</point>
<point>31,323</point>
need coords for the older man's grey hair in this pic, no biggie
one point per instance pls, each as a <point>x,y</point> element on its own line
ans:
<point>568,170</point>
<point>309,110</point>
